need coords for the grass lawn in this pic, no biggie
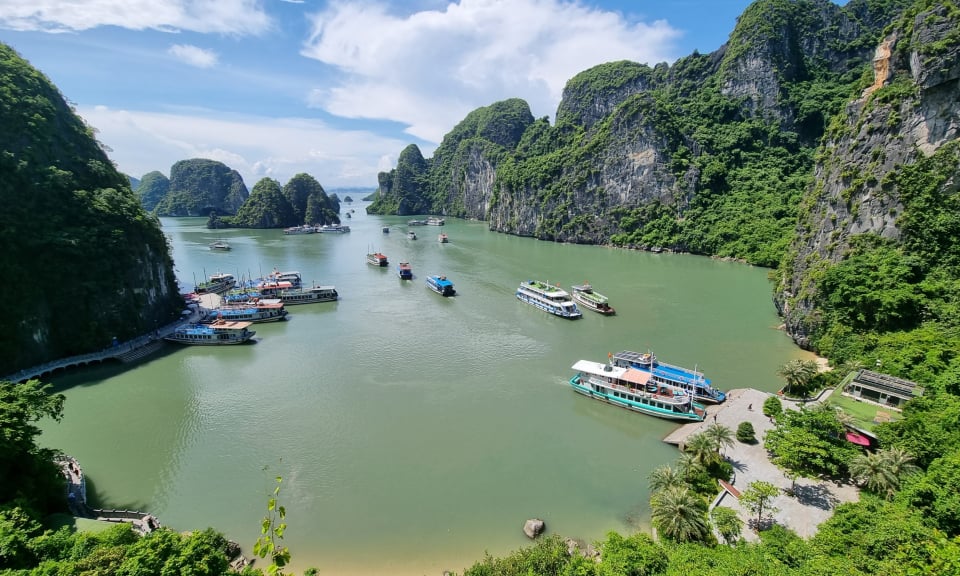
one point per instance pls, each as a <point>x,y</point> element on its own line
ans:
<point>863,413</point>
<point>57,521</point>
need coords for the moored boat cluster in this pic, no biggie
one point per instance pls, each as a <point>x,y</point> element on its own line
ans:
<point>632,380</point>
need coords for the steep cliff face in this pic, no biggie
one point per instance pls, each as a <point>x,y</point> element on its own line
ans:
<point>402,189</point>
<point>199,187</point>
<point>72,228</point>
<point>709,155</point>
<point>593,94</point>
<point>907,114</point>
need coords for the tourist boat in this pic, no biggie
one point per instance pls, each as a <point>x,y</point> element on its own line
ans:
<point>255,311</point>
<point>548,298</point>
<point>216,284</point>
<point>333,228</point>
<point>433,221</point>
<point>412,235</point>
<point>220,246</point>
<point>272,289</point>
<point>590,298</point>
<point>443,238</point>
<point>377,259</point>
<point>416,222</point>
<point>692,381</point>
<point>440,285</point>
<point>220,333</point>
<point>405,271</point>
<point>635,390</point>
<point>312,295</point>
<point>304,229</point>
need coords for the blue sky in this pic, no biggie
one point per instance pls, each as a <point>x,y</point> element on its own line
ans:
<point>332,88</point>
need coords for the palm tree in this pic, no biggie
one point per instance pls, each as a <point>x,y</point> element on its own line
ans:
<point>882,471</point>
<point>900,462</point>
<point>664,477</point>
<point>871,471</point>
<point>679,515</point>
<point>798,373</point>
<point>687,466</point>
<point>702,449</point>
<point>721,436</point>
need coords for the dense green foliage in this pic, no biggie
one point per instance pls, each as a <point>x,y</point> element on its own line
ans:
<point>63,199</point>
<point>897,304</point>
<point>811,442</point>
<point>27,473</point>
<point>267,207</point>
<point>199,187</point>
<point>310,202</point>
<point>153,188</point>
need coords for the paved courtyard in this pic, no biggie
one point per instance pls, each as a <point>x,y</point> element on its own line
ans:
<point>815,499</point>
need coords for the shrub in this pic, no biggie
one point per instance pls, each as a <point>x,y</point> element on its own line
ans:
<point>746,434</point>
<point>772,407</point>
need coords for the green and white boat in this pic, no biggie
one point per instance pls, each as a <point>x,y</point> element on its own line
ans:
<point>632,389</point>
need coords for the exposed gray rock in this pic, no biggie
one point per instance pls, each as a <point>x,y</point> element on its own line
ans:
<point>534,527</point>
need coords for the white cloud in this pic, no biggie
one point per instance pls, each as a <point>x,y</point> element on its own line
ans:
<point>194,55</point>
<point>254,146</point>
<point>218,16</point>
<point>430,68</point>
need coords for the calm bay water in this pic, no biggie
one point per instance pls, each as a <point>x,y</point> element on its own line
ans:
<point>413,432</point>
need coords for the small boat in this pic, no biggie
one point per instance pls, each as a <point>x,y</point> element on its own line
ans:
<point>348,215</point>
<point>634,390</point>
<point>312,295</point>
<point>385,229</point>
<point>692,381</point>
<point>590,298</point>
<point>220,246</point>
<point>433,221</point>
<point>254,310</point>
<point>377,259</point>
<point>548,298</point>
<point>404,271</point>
<point>440,285</point>
<point>304,229</point>
<point>220,333</point>
<point>416,222</point>
<point>412,235</point>
<point>333,229</point>
<point>443,238</point>
<point>216,284</point>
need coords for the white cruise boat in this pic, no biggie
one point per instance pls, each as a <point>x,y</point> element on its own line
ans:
<point>548,298</point>
<point>309,295</point>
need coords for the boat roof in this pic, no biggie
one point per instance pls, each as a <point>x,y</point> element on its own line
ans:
<point>599,368</point>
<point>636,376</point>
<point>441,281</point>
<point>582,287</point>
<point>230,324</point>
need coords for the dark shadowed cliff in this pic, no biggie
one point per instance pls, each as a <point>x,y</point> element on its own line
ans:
<point>83,261</point>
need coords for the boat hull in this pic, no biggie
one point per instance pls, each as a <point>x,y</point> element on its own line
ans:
<point>309,297</point>
<point>441,286</point>
<point>569,312</point>
<point>635,406</point>
<point>591,305</point>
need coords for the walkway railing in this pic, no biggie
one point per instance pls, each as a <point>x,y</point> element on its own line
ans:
<point>116,352</point>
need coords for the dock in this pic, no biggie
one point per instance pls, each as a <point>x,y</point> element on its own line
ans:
<point>813,499</point>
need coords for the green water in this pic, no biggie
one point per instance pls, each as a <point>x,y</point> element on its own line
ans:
<point>413,432</point>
